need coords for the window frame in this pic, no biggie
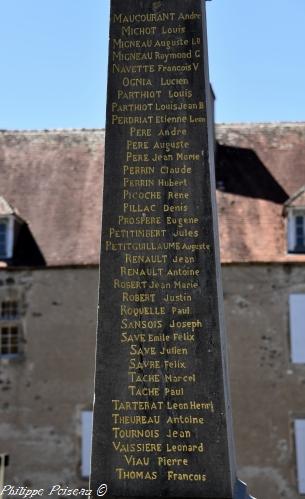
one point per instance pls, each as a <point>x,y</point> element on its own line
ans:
<point>10,322</point>
<point>10,327</point>
<point>9,237</point>
<point>292,230</point>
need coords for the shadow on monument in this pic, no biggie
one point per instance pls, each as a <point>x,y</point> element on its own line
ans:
<point>240,171</point>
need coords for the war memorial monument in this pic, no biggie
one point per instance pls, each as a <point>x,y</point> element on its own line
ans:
<point>162,417</point>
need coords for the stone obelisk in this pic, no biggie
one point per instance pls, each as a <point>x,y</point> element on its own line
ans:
<point>162,420</point>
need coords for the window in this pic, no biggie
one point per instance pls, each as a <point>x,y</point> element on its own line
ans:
<point>9,309</point>
<point>9,341</point>
<point>3,237</point>
<point>6,237</point>
<point>297,327</point>
<point>87,421</point>
<point>296,231</point>
<point>10,329</point>
<point>300,231</point>
<point>299,428</point>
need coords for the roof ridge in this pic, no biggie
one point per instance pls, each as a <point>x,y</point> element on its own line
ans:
<point>52,130</point>
<point>262,124</point>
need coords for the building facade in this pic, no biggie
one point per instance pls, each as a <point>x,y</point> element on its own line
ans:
<point>50,199</point>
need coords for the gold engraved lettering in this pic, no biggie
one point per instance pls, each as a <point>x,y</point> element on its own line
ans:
<point>138,298</point>
<point>192,448</point>
<point>120,405</point>
<point>167,461</point>
<point>176,170</point>
<point>169,56</point>
<point>146,18</point>
<point>140,132</point>
<point>192,325</point>
<point>137,461</point>
<point>142,272</point>
<point>122,433</point>
<point>134,68</point>
<point>192,16</point>
<point>169,82</point>
<point>135,419</point>
<point>123,474</point>
<point>171,378</point>
<point>144,378</point>
<point>184,337</point>
<point>161,68</point>
<point>176,30</point>
<point>141,220</point>
<point>137,157</point>
<point>182,420</point>
<point>162,157</point>
<point>168,146</point>
<point>130,338</point>
<point>172,183</point>
<point>136,259</point>
<point>173,351</point>
<point>174,364</point>
<point>174,392</point>
<point>146,364</point>
<point>181,208</point>
<point>136,82</point>
<point>158,338</point>
<point>177,298</point>
<point>180,94</point>
<point>144,391</point>
<point>180,222</point>
<point>187,477</point>
<point>127,447</point>
<point>175,131</point>
<point>138,170</point>
<point>146,195</point>
<point>119,43</point>
<point>141,324</point>
<point>145,31</point>
<point>169,43</point>
<point>141,311</point>
<point>139,208</point>
<point>138,182</point>
<point>181,311</point>
<point>178,433</point>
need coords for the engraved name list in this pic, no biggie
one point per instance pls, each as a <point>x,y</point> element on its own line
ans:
<point>159,408</point>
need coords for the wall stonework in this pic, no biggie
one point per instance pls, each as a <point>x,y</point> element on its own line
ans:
<point>43,394</point>
<point>267,389</point>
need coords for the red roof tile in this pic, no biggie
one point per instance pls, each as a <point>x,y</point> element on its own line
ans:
<point>259,166</point>
<point>54,180</point>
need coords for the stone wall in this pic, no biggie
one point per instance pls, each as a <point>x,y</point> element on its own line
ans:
<point>44,392</point>
<point>267,389</point>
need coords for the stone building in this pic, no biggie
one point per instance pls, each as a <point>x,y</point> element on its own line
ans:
<point>50,199</point>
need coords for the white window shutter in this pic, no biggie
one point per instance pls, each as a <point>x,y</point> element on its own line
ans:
<point>299,426</point>
<point>87,420</point>
<point>297,327</point>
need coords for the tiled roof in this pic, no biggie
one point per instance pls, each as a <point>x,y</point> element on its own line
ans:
<point>54,180</point>
<point>259,167</point>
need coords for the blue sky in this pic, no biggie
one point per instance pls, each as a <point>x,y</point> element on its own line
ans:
<point>53,60</point>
